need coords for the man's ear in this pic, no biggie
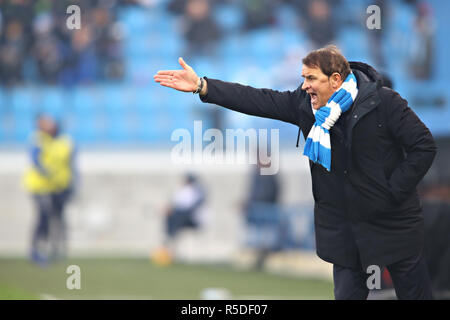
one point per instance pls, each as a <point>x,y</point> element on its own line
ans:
<point>336,80</point>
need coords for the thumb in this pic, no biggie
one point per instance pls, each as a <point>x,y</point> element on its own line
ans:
<point>183,64</point>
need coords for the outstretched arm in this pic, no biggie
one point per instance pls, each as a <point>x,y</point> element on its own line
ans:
<point>265,103</point>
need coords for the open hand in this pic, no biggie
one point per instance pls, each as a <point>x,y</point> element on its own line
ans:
<point>182,80</point>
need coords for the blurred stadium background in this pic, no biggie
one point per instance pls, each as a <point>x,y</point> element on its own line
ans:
<point>97,82</point>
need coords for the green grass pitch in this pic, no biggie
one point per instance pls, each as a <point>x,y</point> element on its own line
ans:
<point>127,278</point>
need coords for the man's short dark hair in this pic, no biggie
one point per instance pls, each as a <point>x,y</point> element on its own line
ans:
<point>329,60</point>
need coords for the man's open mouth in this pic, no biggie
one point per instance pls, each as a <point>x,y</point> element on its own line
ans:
<point>313,97</point>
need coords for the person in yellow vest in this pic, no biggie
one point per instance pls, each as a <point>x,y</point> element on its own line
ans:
<point>50,181</point>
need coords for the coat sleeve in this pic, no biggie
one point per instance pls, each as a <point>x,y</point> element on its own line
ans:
<point>418,145</point>
<point>266,103</point>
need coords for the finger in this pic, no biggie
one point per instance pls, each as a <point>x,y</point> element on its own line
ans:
<point>183,64</point>
<point>166,72</point>
<point>162,78</point>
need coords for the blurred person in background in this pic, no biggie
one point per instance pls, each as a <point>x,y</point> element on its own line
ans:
<point>12,49</point>
<point>176,6</point>
<point>107,43</point>
<point>184,212</point>
<point>435,192</point>
<point>317,20</point>
<point>262,214</point>
<point>46,49</point>
<point>422,52</point>
<point>201,31</point>
<point>258,13</point>
<point>436,205</point>
<point>376,35</point>
<point>50,181</point>
<point>81,62</point>
<point>367,152</point>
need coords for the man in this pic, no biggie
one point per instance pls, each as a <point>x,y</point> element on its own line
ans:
<point>50,181</point>
<point>368,150</point>
<point>183,212</point>
<point>263,217</point>
<point>184,209</point>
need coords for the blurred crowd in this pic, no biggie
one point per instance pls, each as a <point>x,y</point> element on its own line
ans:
<point>36,45</point>
<point>202,31</point>
<point>320,20</point>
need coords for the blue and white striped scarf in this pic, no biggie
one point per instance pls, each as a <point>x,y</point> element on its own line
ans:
<point>318,145</point>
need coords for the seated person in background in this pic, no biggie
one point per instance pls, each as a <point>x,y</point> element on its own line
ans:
<point>183,213</point>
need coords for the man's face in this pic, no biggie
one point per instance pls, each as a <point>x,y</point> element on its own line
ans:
<point>317,85</point>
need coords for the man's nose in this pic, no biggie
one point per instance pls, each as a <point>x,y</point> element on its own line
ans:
<point>305,86</point>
